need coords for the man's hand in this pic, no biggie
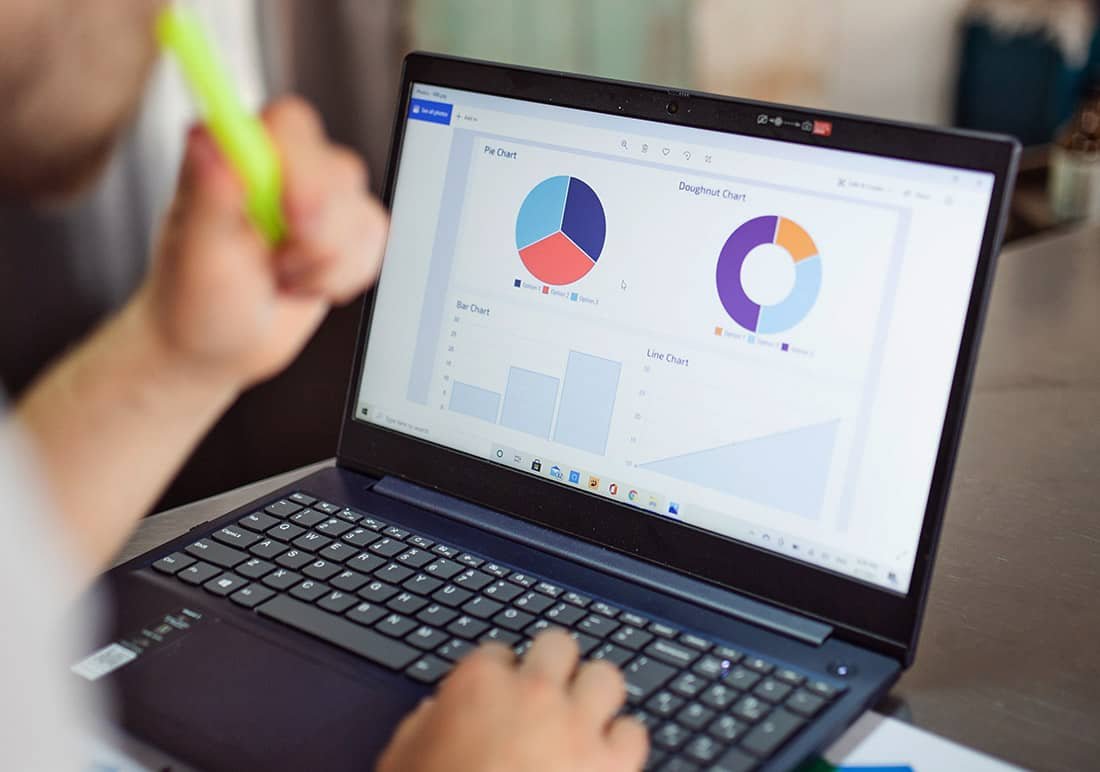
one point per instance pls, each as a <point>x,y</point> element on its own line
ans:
<point>114,420</point>
<point>224,302</point>
<point>545,714</point>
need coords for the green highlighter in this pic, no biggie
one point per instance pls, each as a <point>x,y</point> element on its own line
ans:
<point>239,133</point>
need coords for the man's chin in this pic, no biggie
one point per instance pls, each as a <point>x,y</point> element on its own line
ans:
<point>59,180</point>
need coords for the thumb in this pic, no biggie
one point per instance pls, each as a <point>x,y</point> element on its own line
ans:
<point>208,189</point>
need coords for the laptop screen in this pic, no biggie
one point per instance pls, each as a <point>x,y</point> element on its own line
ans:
<point>751,336</point>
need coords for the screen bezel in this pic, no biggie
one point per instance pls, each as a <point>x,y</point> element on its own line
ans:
<point>866,614</point>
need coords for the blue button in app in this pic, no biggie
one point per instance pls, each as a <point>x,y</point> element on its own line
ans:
<point>432,112</point>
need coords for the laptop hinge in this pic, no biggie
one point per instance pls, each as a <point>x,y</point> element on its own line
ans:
<point>617,564</point>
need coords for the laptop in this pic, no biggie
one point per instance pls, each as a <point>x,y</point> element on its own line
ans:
<point>682,374</point>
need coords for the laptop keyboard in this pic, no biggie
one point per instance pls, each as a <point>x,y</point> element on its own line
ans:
<point>408,603</point>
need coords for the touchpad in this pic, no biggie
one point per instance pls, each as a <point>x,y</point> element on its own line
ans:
<point>222,698</point>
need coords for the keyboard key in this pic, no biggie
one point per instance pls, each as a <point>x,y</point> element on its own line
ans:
<point>670,736</point>
<point>294,559</point>
<point>366,613</point>
<point>236,537</point>
<point>654,759</point>
<point>361,537</point>
<point>428,670</point>
<point>255,568</point>
<point>631,637</point>
<point>301,498</point>
<point>605,609</point>
<point>334,527</point>
<point>616,655</point>
<point>664,704</point>
<point>251,596</point>
<point>513,619</point>
<point>422,542</point>
<point>826,690</point>
<point>728,728</point>
<point>470,579</point>
<point>348,581</point>
<point>341,632</point>
<point>719,696</point>
<point>415,557</point>
<point>451,595</point>
<point>772,732</point>
<point>634,620</point>
<point>644,676</point>
<point>338,552</point>
<point>502,591</point>
<point>533,602</point>
<point>805,703</point>
<point>225,584</point>
<point>471,561</point>
<point>312,541</point>
<point>565,615</point>
<point>751,708</point>
<point>695,642</point>
<point>365,563</point>
<point>337,602</point>
<point>394,573</point>
<point>445,568</point>
<point>309,590</point>
<point>703,749</point>
<point>173,564</point>
<point>772,690</point>
<point>741,678</point>
<point>258,522</point>
<point>445,551</point>
<point>523,580</point>
<point>761,666</point>
<point>282,579</point>
<point>215,553</point>
<point>586,643</point>
<point>790,676</point>
<point>406,603</point>
<point>507,637</point>
<point>482,607</point>
<point>326,507</point>
<point>307,518</point>
<point>711,667</point>
<point>396,625</point>
<point>437,615</point>
<point>599,626</point>
<point>688,684</point>
<point>268,549</point>
<point>387,547</point>
<point>694,716</point>
<point>455,649</point>
<point>396,533</point>
<point>672,653</point>
<point>577,599</point>
<point>426,638</point>
<point>282,508</point>
<point>286,531</point>
<point>422,584</point>
<point>372,523</point>
<point>377,592</point>
<point>725,652</point>
<point>662,630</point>
<point>549,589</point>
<point>735,760</point>
<point>322,570</point>
<point>467,627</point>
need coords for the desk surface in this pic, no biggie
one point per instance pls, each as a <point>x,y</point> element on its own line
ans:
<point>1008,661</point>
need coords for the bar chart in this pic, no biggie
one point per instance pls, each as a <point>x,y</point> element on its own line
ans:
<point>574,410</point>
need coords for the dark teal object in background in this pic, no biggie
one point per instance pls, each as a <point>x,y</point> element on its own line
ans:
<point>1019,84</point>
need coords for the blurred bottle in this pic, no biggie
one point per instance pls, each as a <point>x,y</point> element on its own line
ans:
<point>1074,185</point>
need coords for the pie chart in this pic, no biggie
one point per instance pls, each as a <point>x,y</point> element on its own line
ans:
<point>799,248</point>
<point>560,230</point>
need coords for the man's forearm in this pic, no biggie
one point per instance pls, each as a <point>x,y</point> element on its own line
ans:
<point>111,423</point>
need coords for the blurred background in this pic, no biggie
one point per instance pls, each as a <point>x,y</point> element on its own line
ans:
<point>1030,68</point>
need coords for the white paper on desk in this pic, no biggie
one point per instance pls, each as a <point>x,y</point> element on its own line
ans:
<point>875,741</point>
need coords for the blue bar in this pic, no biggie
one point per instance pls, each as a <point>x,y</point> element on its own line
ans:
<point>432,112</point>
<point>529,402</point>
<point>587,402</point>
<point>474,402</point>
